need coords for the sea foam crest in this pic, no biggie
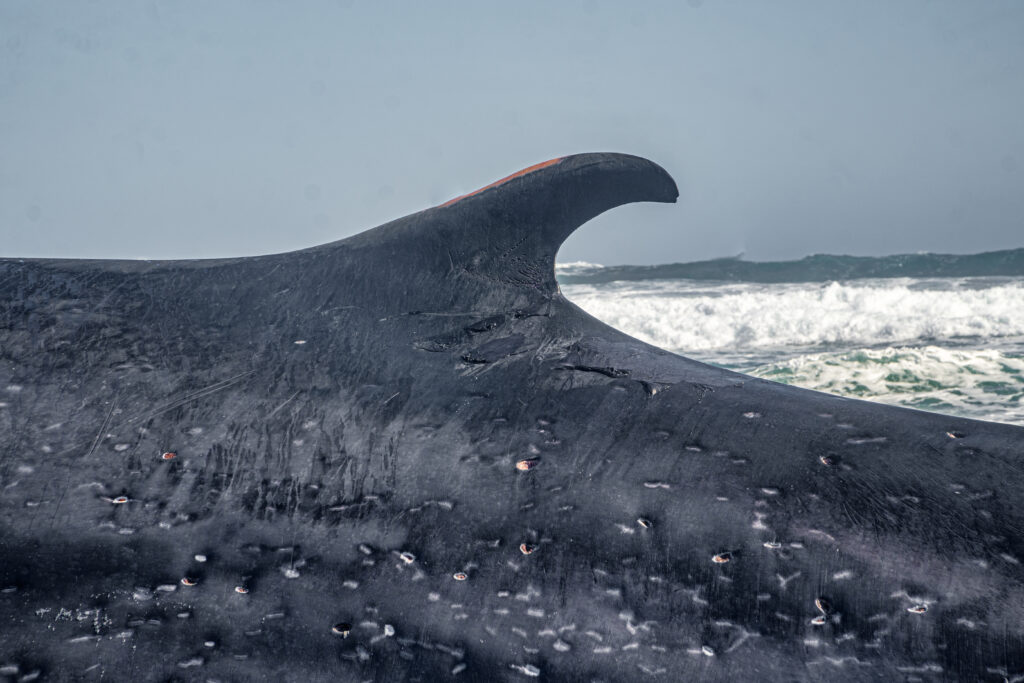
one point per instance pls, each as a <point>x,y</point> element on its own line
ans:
<point>684,315</point>
<point>576,268</point>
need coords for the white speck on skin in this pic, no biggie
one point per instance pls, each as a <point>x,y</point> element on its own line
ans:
<point>527,669</point>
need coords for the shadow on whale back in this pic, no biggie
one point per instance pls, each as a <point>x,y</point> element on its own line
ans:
<point>405,456</point>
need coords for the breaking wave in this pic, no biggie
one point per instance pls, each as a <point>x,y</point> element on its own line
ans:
<point>952,345</point>
<point>686,316</point>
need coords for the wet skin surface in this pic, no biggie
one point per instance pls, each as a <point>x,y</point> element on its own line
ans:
<point>405,456</point>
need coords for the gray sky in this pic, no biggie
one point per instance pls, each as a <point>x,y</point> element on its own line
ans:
<point>193,129</point>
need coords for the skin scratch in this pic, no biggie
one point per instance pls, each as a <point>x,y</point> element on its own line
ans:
<point>286,402</point>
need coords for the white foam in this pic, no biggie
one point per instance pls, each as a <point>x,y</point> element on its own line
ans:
<point>683,315</point>
<point>575,267</point>
<point>948,345</point>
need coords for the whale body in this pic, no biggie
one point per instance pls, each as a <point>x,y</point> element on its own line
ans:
<point>405,456</point>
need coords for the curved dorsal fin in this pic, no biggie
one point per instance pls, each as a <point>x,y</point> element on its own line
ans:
<point>492,249</point>
<point>511,230</point>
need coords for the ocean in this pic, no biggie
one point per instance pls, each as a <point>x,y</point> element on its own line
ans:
<point>932,332</point>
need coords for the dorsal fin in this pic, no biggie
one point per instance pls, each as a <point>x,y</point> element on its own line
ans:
<point>511,230</point>
<point>492,249</point>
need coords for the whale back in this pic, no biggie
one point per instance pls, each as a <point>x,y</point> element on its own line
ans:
<point>405,456</point>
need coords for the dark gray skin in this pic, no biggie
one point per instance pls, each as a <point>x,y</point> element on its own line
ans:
<point>679,521</point>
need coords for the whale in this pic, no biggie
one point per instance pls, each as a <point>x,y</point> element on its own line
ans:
<point>406,456</point>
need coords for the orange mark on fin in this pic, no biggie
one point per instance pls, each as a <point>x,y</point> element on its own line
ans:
<point>529,169</point>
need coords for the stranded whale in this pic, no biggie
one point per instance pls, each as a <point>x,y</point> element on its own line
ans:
<point>405,456</point>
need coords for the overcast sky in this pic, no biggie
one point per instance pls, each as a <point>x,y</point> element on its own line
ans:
<point>195,129</point>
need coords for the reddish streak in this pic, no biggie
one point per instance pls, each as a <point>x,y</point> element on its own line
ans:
<point>530,169</point>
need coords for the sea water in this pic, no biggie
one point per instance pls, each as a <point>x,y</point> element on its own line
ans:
<point>945,344</point>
